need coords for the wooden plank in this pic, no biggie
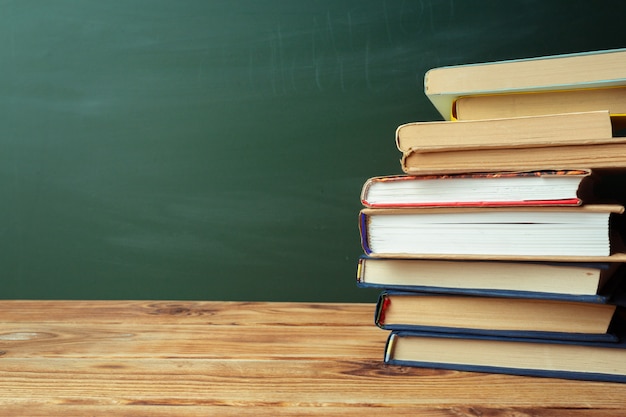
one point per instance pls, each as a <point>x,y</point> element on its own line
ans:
<point>187,312</point>
<point>303,383</point>
<point>214,358</point>
<point>78,409</point>
<point>36,340</point>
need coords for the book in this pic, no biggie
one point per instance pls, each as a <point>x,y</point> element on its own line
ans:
<point>598,156</point>
<point>582,233</point>
<point>503,316</point>
<point>583,128</point>
<point>536,188</point>
<point>504,105</point>
<point>593,69</point>
<point>556,280</point>
<point>593,361</point>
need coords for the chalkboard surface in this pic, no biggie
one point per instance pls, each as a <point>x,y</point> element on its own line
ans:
<point>196,149</point>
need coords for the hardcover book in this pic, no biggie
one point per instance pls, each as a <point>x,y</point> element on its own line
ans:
<point>504,105</point>
<point>595,69</point>
<point>585,128</point>
<point>594,361</point>
<point>582,234</point>
<point>599,156</point>
<point>591,282</point>
<point>561,142</point>
<point>502,316</point>
<point>535,188</point>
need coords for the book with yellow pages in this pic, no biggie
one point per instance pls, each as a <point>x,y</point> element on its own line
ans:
<point>513,316</point>
<point>559,141</point>
<point>593,69</point>
<point>583,128</point>
<point>594,361</point>
<point>609,155</point>
<point>584,281</point>
<point>504,105</point>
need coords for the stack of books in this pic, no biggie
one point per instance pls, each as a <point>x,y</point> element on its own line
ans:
<point>498,248</point>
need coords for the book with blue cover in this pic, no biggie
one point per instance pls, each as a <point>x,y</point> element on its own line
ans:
<point>500,316</point>
<point>574,281</point>
<point>594,361</point>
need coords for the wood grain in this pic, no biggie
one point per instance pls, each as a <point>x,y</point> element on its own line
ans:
<point>212,358</point>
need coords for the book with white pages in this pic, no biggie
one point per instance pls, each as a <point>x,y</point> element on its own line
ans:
<point>582,233</point>
<point>544,187</point>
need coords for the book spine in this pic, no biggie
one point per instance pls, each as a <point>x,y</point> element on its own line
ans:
<point>381,308</point>
<point>363,232</point>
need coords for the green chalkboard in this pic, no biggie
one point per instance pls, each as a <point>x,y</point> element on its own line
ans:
<point>197,149</point>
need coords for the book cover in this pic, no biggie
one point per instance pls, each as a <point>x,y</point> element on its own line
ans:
<point>579,360</point>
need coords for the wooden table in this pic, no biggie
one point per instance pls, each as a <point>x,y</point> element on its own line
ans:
<point>125,358</point>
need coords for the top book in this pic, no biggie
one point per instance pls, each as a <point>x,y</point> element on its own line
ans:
<point>586,70</point>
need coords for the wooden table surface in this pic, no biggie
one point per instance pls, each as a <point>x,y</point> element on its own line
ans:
<point>160,358</point>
